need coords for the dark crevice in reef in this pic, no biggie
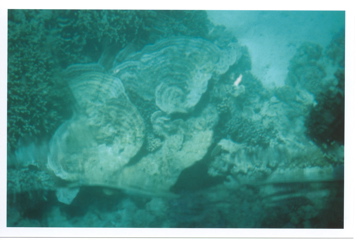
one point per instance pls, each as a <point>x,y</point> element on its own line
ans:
<point>139,155</point>
<point>196,177</point>
<point>325,123</point>
<point>31,205</point>
<point>90,197</point>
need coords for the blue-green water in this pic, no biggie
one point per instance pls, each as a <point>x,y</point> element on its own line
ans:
<point>175,119</point>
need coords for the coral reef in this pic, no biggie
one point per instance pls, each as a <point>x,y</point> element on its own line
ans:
<point>325,121</point>
<point>44,42</point>
<point>101,137</point>
<point>184,143</point>
<point>153,143</point>
<point>336,49</point>
<point>252,133</point>
<point>154,119</point>
<point>174,71</point>
<point>305,70</point>
<point>254,163</point>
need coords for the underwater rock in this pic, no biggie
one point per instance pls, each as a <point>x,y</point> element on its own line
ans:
<point>66,195</point>
<point>175,71</point>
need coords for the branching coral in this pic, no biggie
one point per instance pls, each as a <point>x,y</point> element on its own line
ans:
<point>252,133</point>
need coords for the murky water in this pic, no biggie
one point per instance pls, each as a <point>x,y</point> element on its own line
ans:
<point>175,119</point>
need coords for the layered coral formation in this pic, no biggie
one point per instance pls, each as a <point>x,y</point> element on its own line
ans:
<point>185,142</point>
<point>42,43</point>
<point>175,72</point>
<point>158,121</point>
<point>107,131</point>
<point>101,137</point>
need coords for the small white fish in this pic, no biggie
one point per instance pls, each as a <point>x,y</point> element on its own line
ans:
<point>116,70</point>
<point>238,81</point>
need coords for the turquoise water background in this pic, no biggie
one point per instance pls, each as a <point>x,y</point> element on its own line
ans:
<point>273,36</point>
